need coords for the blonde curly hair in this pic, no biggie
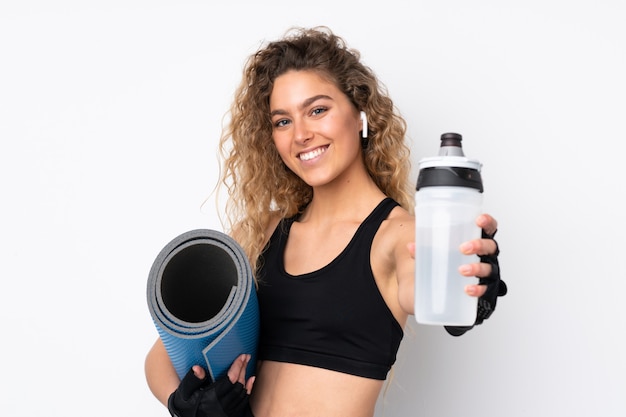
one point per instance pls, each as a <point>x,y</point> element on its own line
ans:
<point>259,184</point>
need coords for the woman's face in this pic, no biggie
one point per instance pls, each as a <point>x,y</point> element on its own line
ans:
<point>316,129</point>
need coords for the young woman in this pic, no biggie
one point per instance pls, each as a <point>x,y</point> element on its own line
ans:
<point>317,171</point>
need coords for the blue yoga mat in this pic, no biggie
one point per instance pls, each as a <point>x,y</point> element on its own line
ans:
<point>202,298</point>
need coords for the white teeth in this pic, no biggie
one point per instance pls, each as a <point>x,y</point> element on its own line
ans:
<point>310,155</point>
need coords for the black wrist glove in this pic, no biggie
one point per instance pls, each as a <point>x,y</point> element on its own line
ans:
<point>496,287</point>
<point>196,397</point>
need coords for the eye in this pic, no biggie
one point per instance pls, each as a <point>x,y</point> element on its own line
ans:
<point>281,123</point>
<point>318,110</point>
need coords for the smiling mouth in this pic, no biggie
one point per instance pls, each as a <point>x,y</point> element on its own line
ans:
<point>307,156</point>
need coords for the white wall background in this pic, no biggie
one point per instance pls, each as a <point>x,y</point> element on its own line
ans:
<point>110,113</point>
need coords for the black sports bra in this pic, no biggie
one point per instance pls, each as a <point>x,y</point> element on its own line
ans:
<point>333,318</point>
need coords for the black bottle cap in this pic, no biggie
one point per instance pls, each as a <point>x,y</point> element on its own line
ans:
<point>440,176</point>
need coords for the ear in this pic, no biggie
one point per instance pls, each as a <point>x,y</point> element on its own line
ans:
<point>364,121</point>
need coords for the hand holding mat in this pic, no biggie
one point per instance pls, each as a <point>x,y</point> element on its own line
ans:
<point>202,298</point>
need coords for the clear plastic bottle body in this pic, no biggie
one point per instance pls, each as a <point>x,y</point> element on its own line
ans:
<point>445,217</point>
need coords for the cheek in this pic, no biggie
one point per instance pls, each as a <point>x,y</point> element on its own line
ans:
<point>343,127</point>
<point>283,146</point>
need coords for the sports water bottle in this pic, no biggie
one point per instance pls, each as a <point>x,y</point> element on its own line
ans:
<point>448,199</point>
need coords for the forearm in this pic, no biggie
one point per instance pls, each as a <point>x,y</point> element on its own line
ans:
<point>160,373</point>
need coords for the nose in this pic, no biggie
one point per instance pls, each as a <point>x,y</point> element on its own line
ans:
<point>302,133</point>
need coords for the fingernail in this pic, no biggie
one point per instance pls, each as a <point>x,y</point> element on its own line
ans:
<point>466,247</point>
<point>470,290</point>
<point>465,269</point>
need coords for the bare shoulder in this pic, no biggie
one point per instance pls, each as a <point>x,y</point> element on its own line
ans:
<point>396,231</point>
<point>271,225</point>
<point>400,222</point>
<point>274,218</point>
<point>273,222</point>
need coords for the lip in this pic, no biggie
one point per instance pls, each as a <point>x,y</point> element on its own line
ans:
<point>312,153</point>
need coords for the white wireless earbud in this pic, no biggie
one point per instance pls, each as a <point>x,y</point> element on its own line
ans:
<point>364,120</point>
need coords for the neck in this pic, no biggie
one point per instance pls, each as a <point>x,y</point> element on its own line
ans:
<point>350,198</point>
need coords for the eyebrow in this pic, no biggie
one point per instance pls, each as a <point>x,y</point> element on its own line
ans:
<point>304,104</point>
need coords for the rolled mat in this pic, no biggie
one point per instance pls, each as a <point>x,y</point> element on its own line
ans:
<point>202,298</point>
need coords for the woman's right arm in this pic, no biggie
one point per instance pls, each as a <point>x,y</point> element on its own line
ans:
<point>160,373</point>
